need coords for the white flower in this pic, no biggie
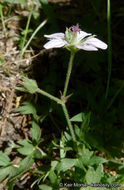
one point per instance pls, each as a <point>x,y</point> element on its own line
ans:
<point>74,38</point>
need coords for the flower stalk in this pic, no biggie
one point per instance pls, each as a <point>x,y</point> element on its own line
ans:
<point>68,121</point>
<point>68,73</point>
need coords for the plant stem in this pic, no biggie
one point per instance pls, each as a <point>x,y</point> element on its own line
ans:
<point>68,73</point>
<point>109,47</point>
<point>49,96</point>
<point>68,121</point>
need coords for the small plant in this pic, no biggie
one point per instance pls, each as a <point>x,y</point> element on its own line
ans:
<point>73,40</point>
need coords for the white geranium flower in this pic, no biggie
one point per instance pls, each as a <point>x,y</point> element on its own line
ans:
<point>74,38</point>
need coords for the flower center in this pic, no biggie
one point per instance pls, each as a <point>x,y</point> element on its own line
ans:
<point>75,29</point>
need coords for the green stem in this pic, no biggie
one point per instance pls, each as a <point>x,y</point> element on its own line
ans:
<point>68,73</point>
<point>109,47</point>
<point>68,121</point>
<point>49,96</point>
<point>2,19</point>
<point>26,30</point>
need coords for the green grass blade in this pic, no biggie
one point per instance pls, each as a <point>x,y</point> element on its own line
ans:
<point>109,47</point>
<point>34,33</point>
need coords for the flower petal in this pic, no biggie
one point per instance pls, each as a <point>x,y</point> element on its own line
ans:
<point>54,43</point>
<point>55,35</point>
<point>81,35</point>
<point>86,47</point>
<point>96,42</point>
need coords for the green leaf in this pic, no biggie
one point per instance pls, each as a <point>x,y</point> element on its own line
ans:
<point>45,187</point>
<point>81,135</point>
<point>82,117</point>
<point>4,159</point>
<point>30,85</point>
<point>65,164</point>
<point>86,121</point>
<point>14,171</point>
<point>36,132</point>
<point>38,153</point>
<point>62,149</point>
<point>80,164</point>
<point>22,2</point>
<point>96,160</point>
<point>78,117</point>
<point>4,172</point>
<point>52,177</point>
<point>24,165</point>
<point>27,148</point>
<point>67,136</point>
<point>85,155</point>
<point>27,108</point>
<point>54,164</point>
<point>93,176</point>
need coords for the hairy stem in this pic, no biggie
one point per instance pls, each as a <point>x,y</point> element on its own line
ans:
<point>68,121</point>
<point>68,73</point>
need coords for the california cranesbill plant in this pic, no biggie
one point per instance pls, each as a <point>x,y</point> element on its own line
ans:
<point>73,40</point>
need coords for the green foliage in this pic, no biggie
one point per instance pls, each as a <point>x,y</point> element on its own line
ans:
<point>12,171</point>
<point>27,108</point>
<point>36,132</point>
<point>22,2</point>
<point>17,171</point>
<point>4,172</point>
<point>45,187</point>
<point>65,164</point>
<point>94,176</point>
<point>28,147</point>
<point>4,159</point>
<point>78,118</point>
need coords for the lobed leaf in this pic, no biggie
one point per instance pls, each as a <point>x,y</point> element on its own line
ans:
<point>4,159</point>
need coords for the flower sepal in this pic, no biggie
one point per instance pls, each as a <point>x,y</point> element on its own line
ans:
<point>72,48</point>
<point>70,36</point>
